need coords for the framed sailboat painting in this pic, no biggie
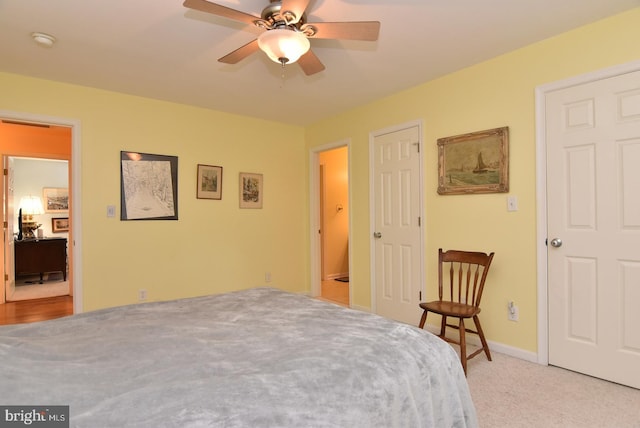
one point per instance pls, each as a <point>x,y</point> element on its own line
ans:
<point>477,162</point>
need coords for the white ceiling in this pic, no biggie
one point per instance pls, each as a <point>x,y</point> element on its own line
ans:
<point>160,49</point>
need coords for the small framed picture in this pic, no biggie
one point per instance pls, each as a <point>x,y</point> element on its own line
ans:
<point>251,193</point>
<point>209,182</point>
<point>56,199</point>
<point>59,225</point>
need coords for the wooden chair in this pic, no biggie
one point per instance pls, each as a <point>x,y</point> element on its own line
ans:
<point>460,298</point>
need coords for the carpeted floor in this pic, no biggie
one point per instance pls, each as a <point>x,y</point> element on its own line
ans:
<point>513,393</point>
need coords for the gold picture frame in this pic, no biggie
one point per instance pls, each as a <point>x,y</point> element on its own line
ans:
<point>477,162</point>
<point>209,182</point>
<point>251,192</point>
<point>60,225</point>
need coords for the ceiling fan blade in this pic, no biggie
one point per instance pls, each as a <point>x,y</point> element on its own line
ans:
<point>216,9</point>
<point>240,53</point>
<point>362,30</point>
<point>296,6</point>
<point>310,63</point>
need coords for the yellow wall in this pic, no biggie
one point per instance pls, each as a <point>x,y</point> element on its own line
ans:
<point>214,246</point>
<point>496,93</point>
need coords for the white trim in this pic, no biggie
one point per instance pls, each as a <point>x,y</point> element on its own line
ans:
<point>541,189</point>
<point>76,168</point>
<point>361,308</point>
<point>372,256</point>
<point>314,212</point>
<point>474,340</point>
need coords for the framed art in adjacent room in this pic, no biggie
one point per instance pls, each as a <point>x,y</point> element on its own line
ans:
<point>209,182</point>
<point>474,163</point>
<point>251,190</point>
<point>148,186</point>
<point>59,225</point>
<point>56,199</point>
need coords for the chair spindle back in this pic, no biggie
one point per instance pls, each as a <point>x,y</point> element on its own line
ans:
<point>467,272</point>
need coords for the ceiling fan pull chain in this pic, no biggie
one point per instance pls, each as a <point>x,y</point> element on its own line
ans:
<point>282,76</point>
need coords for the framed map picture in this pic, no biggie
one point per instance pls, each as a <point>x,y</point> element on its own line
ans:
<point>148,186</point>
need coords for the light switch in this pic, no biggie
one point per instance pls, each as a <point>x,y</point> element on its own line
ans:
<point>111,210</point>
<point>512,203</point>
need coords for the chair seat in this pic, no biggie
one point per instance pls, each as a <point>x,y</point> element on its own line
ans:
<point>452,309</point>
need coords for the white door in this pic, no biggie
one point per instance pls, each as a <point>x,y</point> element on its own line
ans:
<point>397,232</point>
<point>10,281</point>
<point>593,191</point>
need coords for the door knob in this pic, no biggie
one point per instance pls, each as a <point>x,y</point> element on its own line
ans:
<point>556,242</point>
<point>377,235</point>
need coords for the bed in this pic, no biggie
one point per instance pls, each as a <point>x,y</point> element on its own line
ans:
<point>253,358</point>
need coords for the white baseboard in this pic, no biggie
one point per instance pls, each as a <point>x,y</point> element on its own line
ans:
<point>360,308</point>
<point>333,276</point>
<point>509,350</point>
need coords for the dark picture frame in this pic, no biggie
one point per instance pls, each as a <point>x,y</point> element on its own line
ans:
<point>477,162</point>
<point>251,190</point>
<point>209,182</point>
<point>148,186</point>
<point>60,225</point>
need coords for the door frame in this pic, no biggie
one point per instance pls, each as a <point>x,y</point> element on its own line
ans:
<point>314,214</point>
<point>541,192</point>
<point>372,208</point>
<point>76,174</point>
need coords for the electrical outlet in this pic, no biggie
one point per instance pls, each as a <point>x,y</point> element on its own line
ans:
<point>267,277</point>
<point>512,312</point>
<point>142,295</point>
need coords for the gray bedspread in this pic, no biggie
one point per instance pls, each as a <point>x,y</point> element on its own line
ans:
<point>255,358</point>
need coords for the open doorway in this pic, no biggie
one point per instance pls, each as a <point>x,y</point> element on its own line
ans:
<point>331,192</point>
<point>42,155</point>
<point>39,189</point>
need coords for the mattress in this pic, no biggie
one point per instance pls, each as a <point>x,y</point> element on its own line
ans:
<point>253,358</point>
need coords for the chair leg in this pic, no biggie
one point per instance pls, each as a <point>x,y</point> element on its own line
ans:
<point>443,326</point>
<point>463,346</point>
<point>423,319</point>
<point>476,320</point>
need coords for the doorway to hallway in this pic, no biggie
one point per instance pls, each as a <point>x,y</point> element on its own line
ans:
<point>330,221</point>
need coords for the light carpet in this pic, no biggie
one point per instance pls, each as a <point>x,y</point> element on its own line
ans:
<point>28,287</point>
<point>512,393</point>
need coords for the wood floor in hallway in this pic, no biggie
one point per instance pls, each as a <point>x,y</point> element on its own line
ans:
<point>25,311</point>
<point>335,291</point>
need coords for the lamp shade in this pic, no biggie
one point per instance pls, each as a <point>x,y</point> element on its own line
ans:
<point>283,46</point>
<point>31,205</point>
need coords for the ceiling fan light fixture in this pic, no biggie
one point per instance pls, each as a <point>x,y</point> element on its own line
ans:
<point>283,46</point>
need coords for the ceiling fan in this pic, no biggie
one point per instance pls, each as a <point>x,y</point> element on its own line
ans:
<point>285,39</point>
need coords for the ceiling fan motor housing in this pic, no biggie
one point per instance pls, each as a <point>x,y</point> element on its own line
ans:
<point>277,18</point>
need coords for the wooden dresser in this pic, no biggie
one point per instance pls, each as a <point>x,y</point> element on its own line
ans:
<point>41,255</point>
